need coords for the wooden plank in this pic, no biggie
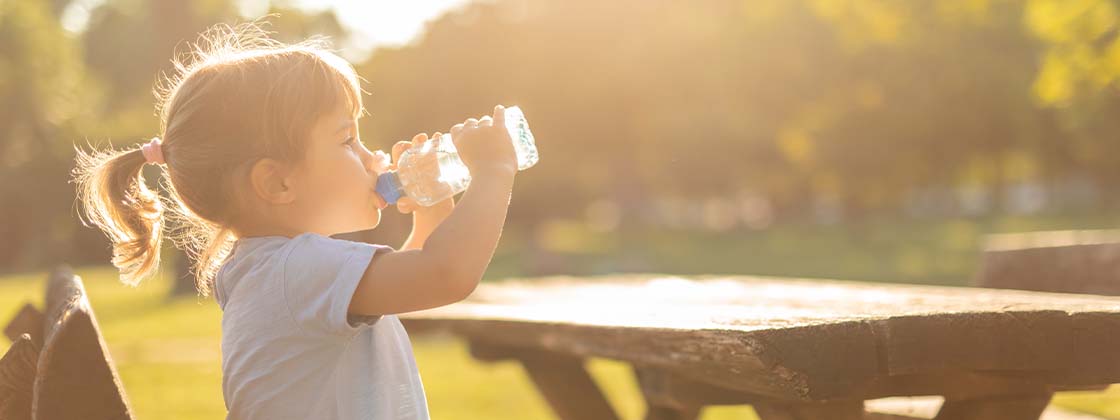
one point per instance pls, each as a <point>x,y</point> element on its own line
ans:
<point>740,303</point>
<point>1035,339</point>
<point>843,410</point>
<point>76,377</point>
<point>1054,346</point>
<point>62,294</point>
<point>27,321</point>
<point>800,340</point>
<point>561,379</point>
<point>17,378</point>
<point>702,355</point>
<point>1011,407</point>
<point>667,389</point>
<point>1059,261</point>
<point>887,416</point>
<point>666,413</point>
<point>669,396</point>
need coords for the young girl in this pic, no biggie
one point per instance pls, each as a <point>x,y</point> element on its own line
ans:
<point>263,163</point>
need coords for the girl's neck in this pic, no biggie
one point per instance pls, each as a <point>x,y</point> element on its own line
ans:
<point>263,230</point>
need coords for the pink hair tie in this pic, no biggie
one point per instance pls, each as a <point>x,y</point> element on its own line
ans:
<point>152,150</point>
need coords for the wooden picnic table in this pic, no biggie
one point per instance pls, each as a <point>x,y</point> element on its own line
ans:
<point>794,349</point>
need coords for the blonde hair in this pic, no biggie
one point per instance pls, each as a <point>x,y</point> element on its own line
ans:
<point>236,97</point>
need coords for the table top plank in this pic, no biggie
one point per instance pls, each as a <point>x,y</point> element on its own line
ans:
<point>798,339</point>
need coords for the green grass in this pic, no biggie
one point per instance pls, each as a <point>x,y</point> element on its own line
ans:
<point>898,251</point>
<point>168,356</point>
<point>168,351</point>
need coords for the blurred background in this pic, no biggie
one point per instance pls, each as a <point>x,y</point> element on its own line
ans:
<point>871,140</point>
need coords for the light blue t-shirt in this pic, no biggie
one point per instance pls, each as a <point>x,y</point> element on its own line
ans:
<point>289,348</point>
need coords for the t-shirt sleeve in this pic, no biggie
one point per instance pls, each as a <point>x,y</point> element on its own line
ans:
<point>320,276</point>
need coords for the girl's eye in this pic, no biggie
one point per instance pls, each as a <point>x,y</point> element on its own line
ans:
<point>350,140</point>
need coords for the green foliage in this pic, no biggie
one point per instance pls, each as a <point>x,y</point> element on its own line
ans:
<point>857,104</point>
<point>45,95</point>
<point>1082,53</point>
<point>860,102</point>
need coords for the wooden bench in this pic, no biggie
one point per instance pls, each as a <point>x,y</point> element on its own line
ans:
<point>1084,262</point>
<point>58,366</point>
<point>794,349</point>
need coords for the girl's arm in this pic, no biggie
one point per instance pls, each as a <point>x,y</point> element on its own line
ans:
<point>451,262</point>
<point>424,221</point>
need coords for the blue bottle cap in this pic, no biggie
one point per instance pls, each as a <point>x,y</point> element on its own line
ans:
<point>389,187</point>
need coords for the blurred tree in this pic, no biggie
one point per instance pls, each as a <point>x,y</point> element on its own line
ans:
<point>1080,78</point>
<point>130,64</point>
<point>44,95</point>
<point>795,99</point>
<point>1082,53</point>
<point>854,107</point>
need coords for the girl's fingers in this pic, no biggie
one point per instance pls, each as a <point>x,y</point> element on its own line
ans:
<point>406,205</point>
<point>455,129</point>
<point>499,115</point>
<point>419,139</point>
<point>485,121</point>
<point>398,148</point>
<point>470,124</point>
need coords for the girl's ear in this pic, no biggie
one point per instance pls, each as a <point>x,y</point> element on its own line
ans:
<point>269,180</point>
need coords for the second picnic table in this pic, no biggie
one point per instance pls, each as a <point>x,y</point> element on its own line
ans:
<point>794,349</point>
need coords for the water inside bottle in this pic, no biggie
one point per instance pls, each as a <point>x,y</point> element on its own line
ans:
<point>523,142</point>
<point>434,171</point>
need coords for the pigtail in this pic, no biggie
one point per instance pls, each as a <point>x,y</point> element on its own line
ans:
<point>235,96</point>
<point>115,198</point>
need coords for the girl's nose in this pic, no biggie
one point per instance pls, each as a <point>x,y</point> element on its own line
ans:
<point>365,155</point>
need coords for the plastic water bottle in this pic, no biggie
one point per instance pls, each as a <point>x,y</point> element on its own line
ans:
<point>430,179</point>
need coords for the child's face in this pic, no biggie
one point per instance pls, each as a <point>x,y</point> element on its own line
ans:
<point>337,178</point>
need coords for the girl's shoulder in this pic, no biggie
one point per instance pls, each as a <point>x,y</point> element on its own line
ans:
<point>261,247</point>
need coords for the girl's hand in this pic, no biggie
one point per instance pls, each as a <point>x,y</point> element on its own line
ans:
<point>437,212</point>
<point>484,144</point>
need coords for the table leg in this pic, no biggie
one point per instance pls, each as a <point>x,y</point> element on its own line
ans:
<point>569,389</point>
<point>670,396</point>
<point>561,379</point>
<point>844,410</point>
<point>1004,407</point>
